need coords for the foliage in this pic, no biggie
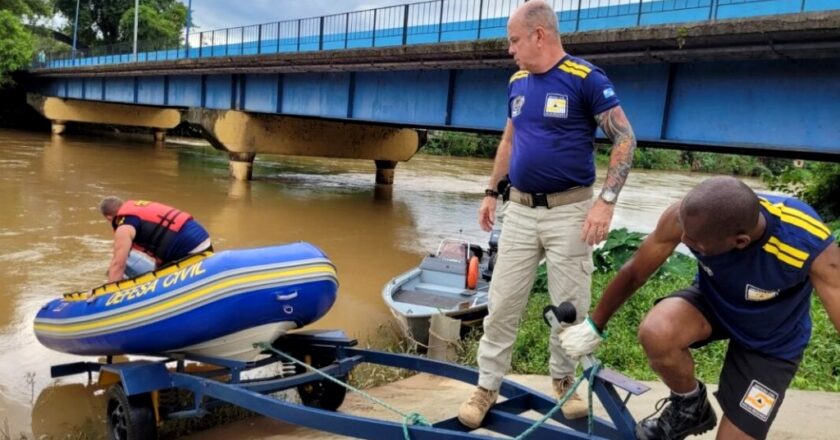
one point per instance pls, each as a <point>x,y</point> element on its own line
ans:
<point>28,9</point>
<point>112,21</point>
<point>452,143</point>
<point>817,183</point>
<point>161,25</point>
<point>16,45</point>
<point>622,244</point>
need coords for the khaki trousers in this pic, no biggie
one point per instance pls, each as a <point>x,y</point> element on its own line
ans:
<point>528,236</point>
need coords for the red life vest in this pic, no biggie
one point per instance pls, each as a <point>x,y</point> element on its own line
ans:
<point>159,224</point>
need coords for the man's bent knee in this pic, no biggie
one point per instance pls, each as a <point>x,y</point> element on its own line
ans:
<point>673,324</point>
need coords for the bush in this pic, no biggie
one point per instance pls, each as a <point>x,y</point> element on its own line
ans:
<point>818,184</point>
<point>452,143</point>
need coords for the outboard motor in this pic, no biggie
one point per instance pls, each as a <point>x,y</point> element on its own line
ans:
<point>493,249</point>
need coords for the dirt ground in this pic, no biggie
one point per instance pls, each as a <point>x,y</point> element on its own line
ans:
<point>803,415</point>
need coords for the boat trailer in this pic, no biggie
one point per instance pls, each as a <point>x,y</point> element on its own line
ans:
<point>137,404</point>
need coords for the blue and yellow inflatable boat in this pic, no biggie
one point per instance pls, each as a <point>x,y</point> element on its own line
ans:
<point>208,304</point>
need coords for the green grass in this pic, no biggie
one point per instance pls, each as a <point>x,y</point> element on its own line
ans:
<point>621,351</point>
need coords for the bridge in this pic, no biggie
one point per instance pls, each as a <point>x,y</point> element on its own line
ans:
<point>754,76</point>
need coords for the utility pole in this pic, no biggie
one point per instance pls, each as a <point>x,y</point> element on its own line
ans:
<point>187,33</point>
<point>75,29</point>
<point>136,14</point>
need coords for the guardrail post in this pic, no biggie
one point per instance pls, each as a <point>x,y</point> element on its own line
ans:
<point>278,37</point>
<point>374,27</point>
<point>200,43</point>
<point>639,17</point>
<point>802,7</point>
<point>227,40</point>
<point>713,10</point>
<point>480,8</point>
<point>259,39</point>
<point>346,28</point>
<point>321,34</point>
<point>298,35</point>
<point>242,40</point>
<point>440,22</point>
<point>405,25</point>
<point>577,18</point>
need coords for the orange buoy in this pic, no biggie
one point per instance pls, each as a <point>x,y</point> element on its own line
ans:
<point>472,273</point>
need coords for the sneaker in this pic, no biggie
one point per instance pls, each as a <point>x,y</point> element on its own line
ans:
<point>472,411</point>
<point>575,407</point>
<point>683,417</point>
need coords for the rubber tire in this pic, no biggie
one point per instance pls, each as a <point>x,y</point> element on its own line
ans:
<point>130,418</point>
<point>323,394</point>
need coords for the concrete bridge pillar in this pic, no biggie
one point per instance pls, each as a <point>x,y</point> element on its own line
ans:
<point>243,135</point>
<point>242,165</point>
<point>385,172</point>
<point>60,111</point>
<point>58,126</point>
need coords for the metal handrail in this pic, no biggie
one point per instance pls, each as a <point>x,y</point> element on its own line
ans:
<point>431,21</point>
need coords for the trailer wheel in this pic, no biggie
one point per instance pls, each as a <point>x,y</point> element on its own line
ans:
<point>322,394</point>
<point>130,418</point>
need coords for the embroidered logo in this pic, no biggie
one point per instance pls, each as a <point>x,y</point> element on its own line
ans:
<point>759,400</point>
<point>758,294</point>
<point>516,105</point>
<point>609,92</point>
<point>556,106</point>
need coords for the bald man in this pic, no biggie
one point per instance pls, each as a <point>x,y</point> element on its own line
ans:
<point>556,102</point>
<point>759,258</point>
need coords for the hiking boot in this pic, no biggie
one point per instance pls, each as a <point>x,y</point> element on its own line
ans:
<point>472,411</point>
<point>683,417</point>
<point>575,407</point>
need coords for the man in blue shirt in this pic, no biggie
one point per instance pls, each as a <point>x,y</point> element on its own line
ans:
<point>556,102</point>
<point>759,258</point>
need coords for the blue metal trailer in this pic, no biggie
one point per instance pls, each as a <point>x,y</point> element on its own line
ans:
<point>137,405</point>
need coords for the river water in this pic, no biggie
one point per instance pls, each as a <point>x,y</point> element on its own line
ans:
<point>53,240</point>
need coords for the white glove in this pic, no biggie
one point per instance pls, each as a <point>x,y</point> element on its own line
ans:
<point>580,339</point>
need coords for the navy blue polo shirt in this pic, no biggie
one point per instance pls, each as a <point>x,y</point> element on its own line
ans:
<point>762,294</point>
<point>553,115</point>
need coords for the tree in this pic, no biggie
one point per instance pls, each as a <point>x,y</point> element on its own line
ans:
<point>159,26</point>
<point>26,8</point>
<point>16,46</point>
<point>103,22</point>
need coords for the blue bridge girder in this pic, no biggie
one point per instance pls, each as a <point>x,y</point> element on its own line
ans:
<point>764,85</point>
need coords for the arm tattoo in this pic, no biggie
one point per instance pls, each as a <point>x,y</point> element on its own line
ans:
<point>615,125</point>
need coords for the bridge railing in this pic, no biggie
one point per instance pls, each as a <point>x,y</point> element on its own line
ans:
<point>425,22</point>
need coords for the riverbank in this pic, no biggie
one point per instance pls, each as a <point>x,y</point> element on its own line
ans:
<point>804,415</point>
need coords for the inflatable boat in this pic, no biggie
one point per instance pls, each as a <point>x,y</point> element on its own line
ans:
<point>207,304</point>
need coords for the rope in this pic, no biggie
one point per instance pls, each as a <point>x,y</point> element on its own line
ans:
<point>409,419</point>
<point>592,372</point>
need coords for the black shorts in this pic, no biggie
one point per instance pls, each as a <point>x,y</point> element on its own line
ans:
<point>752,385</point>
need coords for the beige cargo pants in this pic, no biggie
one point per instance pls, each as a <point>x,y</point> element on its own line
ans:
<point>528,235</point>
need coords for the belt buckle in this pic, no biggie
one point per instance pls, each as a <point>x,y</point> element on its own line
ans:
<point>539,199</point>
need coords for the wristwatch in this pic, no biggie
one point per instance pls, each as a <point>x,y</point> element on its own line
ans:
<point>491,193</point>
<point>608,196</point>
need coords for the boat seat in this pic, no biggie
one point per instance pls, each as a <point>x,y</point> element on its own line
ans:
<point>431,263</point>
<point>429,299</point>
<point>436,288</point>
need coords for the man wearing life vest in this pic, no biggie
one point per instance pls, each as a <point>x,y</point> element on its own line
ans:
<point>162,232</point>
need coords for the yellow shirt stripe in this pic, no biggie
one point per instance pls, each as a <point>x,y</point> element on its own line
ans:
<point>518,75</point>
<point>783,256</point>
<point>577,66</point>
<point>797,218</point>
<point>571,70</point>
<point>790,250</point>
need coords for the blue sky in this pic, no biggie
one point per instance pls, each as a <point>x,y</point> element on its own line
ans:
<point>215,14</point>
